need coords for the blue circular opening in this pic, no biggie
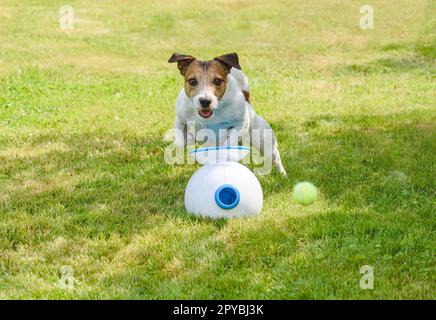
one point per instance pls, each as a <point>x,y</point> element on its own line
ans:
<point>227,196</point>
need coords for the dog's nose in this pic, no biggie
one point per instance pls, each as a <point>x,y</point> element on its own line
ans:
<point>205,103</point>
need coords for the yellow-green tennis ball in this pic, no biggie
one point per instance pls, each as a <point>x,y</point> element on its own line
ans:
<point>305,193</point>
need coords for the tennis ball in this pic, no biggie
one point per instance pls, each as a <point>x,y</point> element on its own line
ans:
<point>305,193</point>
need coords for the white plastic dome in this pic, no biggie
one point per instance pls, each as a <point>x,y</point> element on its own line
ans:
<point>221,188</point>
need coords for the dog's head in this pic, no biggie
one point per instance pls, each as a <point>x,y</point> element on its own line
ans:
<point>205,81</point>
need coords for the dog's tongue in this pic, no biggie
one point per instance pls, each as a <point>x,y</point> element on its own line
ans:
<point>206,113</point>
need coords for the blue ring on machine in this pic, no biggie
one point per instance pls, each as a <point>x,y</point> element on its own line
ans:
<point>227,196</point>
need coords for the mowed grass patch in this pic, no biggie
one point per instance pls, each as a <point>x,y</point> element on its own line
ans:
<point>83,182</point>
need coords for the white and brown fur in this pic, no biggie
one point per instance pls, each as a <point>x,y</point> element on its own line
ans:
<point>216,97</point>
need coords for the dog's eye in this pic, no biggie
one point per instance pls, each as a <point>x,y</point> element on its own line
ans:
<point>193,82</point>
<point>217,81</point>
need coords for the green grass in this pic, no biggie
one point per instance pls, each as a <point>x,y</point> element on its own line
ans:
<point>83,182</point>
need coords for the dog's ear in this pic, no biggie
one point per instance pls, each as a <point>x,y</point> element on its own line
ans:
<point>183,61</point>
<point>229,60</point>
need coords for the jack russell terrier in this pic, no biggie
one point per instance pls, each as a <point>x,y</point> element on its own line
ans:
<point>216,98</point>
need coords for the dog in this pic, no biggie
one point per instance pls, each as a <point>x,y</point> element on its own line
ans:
<point>216,98</point>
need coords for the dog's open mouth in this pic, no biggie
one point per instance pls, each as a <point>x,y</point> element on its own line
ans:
<point>205,113</point>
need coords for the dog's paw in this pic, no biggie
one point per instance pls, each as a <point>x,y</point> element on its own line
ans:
<point>190,139</point>
<point>179,143</point>
<point>281,169</point>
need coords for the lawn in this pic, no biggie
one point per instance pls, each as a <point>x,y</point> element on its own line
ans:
<point>83,184</point>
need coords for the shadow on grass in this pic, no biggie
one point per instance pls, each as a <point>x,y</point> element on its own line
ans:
<point>392,64</point>
<point>100,183</point>
<point>128,174</point>
<point>96,186</point>
<point>362,162</point>
<point>417,56</point>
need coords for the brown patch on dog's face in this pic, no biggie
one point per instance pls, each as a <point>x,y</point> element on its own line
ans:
<point>205,81</point>
<point>209,76</point>
<point>205,84</point>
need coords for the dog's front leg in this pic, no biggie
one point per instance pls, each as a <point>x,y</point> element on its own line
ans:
<point>264,140</point>
<point>232,137</point>
<point>180,133</point>
<point>238,133</point>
